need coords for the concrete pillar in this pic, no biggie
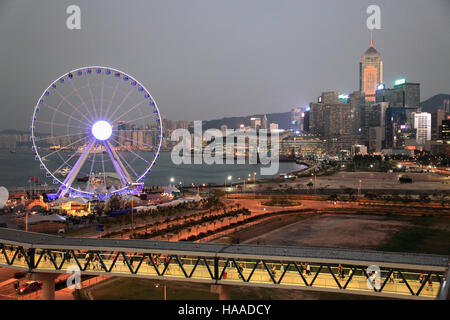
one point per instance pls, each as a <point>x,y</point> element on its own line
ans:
<point>48,284</point>
<point>224,291</point>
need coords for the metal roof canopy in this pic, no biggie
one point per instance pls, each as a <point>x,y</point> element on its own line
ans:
<point>412,261</point>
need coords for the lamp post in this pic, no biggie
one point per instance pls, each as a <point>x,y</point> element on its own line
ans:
<point>315,181</point>
<point>359,189</point>
<point>165,290</point>
<point>132,216</point>
<point>229,178</point>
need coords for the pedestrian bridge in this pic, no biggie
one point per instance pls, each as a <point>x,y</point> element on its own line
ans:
<point>397,275</point>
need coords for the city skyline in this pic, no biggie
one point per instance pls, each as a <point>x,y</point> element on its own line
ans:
<point>281,85</point>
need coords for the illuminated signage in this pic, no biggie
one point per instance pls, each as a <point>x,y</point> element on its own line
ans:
<point>399,82</point>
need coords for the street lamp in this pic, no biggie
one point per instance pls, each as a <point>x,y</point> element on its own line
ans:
<point>229,178</point>
<point>315,181</point>
<point>165,290</point>
<point>172,180</point>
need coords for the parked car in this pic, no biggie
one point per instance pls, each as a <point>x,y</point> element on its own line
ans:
<point>28,287</point>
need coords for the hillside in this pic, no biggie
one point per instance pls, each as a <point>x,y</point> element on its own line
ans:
<point>433,103</point>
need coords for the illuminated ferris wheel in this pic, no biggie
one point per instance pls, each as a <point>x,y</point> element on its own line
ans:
<point>96,131</point>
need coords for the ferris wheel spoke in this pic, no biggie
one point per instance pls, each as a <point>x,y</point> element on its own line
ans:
<point>141,118</point>
<point>128,111</point>
<point>62,112</point>
<point>81,99</point>
<point>101,96</point>
<point>65,162</point>
<point>129,149</point>
<point>127,164</point>
<point>132,140</point>
<point>62,124</point>
<point>112,98</point>
<point>73,106</point>
<point>120,104</point>
<point>69,145</point>
<point>131,130</point>
<point>103,168</point>
<point>92,163</point>
<point>92,97</point>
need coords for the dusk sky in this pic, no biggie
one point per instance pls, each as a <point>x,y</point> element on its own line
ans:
<point>207,59</point>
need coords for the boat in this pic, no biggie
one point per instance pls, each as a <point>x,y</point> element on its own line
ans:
<point>64,171</point>
<point>96,149</point>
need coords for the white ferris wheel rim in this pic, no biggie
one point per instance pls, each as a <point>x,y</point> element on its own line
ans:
<point>35,148</point>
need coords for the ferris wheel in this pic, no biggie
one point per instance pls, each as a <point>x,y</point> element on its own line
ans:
<point>96,131</point>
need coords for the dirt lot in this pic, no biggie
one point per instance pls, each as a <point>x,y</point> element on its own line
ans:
<point>331,230</point>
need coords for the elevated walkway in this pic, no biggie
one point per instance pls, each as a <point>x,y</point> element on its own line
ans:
<point>384,274</point>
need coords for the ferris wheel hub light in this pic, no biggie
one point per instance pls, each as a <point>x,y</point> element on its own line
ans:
<point>101,130</point>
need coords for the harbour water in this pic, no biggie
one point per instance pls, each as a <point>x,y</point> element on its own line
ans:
<point>17,168</point>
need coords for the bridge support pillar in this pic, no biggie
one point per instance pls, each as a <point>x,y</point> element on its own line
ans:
<point>223,291</point>
<point>48,284</point>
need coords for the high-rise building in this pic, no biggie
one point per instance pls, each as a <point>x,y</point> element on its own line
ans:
<point>223,129</point>
<point>375,139</point>
<point>370,72</point>
<point>357,103</point>
<point>446,105</point>
<point>331,117</point>
<point>375,125</point>
<point>298,119</point>
<point>273,126</point>
<point>122,127</point>
<point>255,123</point>
<point>422,124</point>
<point>265,123</point>
<point>437,116</point>
<point>404,94</point>
<point>444,131</point>
<point>329,97</point>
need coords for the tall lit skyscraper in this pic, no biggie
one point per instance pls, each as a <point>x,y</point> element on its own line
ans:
<point>422,123</point>
<point>255,123</point>
<point>265,123</point>
<point>370,72</point>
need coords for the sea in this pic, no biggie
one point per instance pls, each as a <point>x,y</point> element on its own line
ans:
<point>17,168</point>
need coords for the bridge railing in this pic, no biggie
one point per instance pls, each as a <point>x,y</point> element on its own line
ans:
<point>284,273</point>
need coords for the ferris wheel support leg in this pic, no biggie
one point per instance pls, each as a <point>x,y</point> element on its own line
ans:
<point>118,165</point>
<point>75,170</point>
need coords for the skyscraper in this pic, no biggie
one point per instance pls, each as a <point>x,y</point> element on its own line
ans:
<point>255,123</point>
<point>404,94</point>
<point>437,116</point>
<point>422,123</point>
<point>370,72</point>
<point>265,123</point>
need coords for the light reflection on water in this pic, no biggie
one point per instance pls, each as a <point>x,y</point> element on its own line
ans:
<point>17,168</point>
